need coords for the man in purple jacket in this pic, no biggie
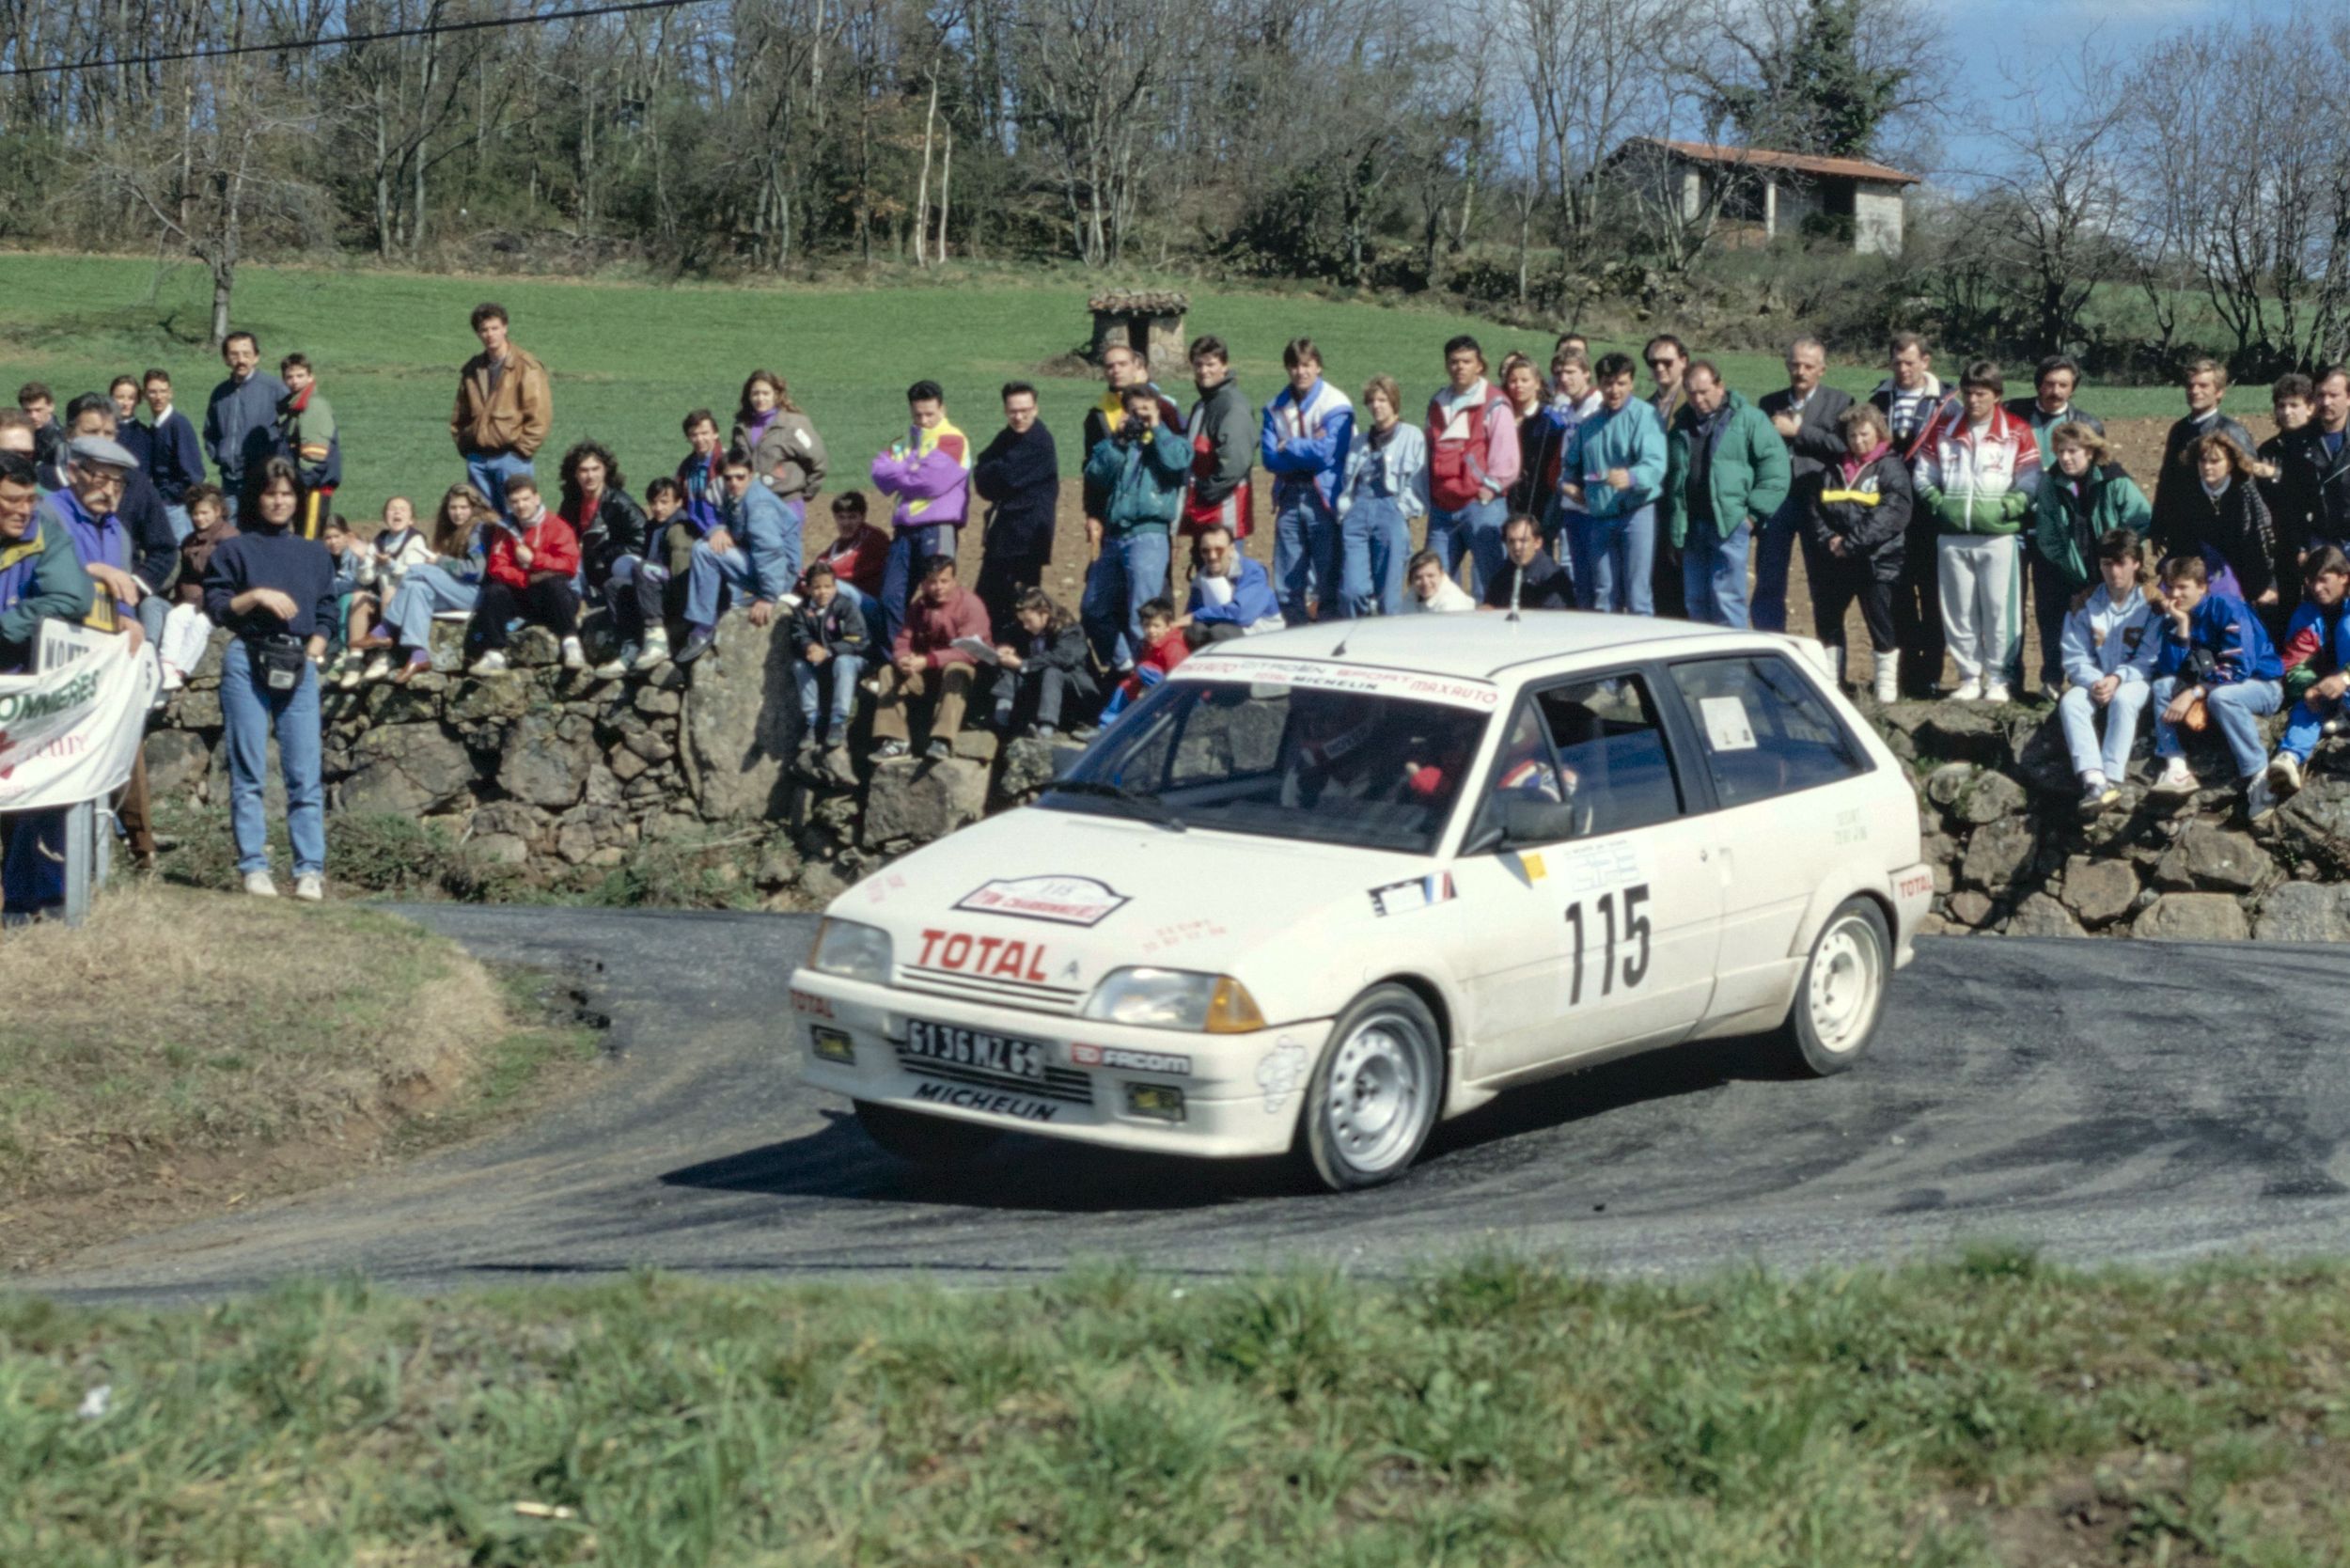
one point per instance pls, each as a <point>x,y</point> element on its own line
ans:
<point>928,475</point>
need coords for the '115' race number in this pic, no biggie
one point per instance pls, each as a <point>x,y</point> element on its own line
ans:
<point>1635,936</point>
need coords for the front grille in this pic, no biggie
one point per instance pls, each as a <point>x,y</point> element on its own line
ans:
<point>1059,1083</point>
<point>1023,995</point>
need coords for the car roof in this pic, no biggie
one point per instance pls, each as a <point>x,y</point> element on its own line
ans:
<point>1488,646</point>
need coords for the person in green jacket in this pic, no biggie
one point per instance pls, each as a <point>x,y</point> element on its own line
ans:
<point>2083,498</point>
<point>1140,468</point>
<point>1726,471</point>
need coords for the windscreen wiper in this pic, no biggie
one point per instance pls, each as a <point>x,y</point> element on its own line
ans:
<point>1143,804</point>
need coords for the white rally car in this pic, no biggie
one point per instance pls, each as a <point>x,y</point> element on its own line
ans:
<point>1324,886</point>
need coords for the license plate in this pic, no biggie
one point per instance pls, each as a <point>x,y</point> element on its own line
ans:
<point>961,1048</point>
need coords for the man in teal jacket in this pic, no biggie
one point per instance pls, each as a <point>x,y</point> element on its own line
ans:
<point>1612,468</point>
<point>1726,471</point>
<point>1140,470</point>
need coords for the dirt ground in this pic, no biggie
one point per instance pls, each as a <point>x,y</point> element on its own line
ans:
<point>2138,444</point>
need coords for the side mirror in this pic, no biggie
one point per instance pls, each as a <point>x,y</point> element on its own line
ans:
<point>1530,819</point>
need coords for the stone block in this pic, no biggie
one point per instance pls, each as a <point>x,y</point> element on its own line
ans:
<point>2214,860</point>
<point>534,648</point>
<point>492,697</point>
<point>2099,891</point>
<point>1947,785</point>
<point>195,708</point>
<point>176,763</point>
<point>740,724</point>
<point>539,765</point>
<point>2042,915</point>
<point>406,769</point>
<point>1997,853</point>
<point>1989,798</point>
<point>654,701</point>
<point>512,818</point>
<point>2193,918</point>
<point>1027,768</point>
<point>1970,908</point>
<point>913,802</point>
<point>499,849</point>
<point>2298,912</point>
<point>1955,733</point>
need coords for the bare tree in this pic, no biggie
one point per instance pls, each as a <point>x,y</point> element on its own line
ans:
<point>2056,203</point>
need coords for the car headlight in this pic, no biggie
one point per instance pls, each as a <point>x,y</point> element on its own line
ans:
<point>1175,1000</point>
<point>851,951</point>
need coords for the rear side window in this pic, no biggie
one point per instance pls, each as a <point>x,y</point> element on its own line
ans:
<point>1764,729</point>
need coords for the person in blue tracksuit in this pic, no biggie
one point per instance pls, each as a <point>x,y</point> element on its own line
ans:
<point>2213,652</point>
<point>754,551</point>
<point>1303,441</point>
<point>2317,661</point>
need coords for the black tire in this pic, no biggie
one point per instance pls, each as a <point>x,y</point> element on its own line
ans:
<point>932,1141</point>
<point>1833,1020</point>
<point>1375,1093</point>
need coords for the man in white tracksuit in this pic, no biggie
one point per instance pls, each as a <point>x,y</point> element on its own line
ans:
<point>2108,650</point>
<point>1976,482</point>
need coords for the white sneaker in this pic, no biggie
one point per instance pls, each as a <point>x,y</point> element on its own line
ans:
<point>619,664</point>
<point>1996,692</point>
<point>1969,691</point>
<point>260,885</point>
<point>311,888</point>
<point>2175,780</point>
<point>174,678</point>
<point>492,663</point>
<point>2284,773</point>
<point>655,652</point>
<point>379,668</point>
<point>575,656</point>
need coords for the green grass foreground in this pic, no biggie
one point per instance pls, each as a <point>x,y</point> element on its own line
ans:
<point>629,359</point>
<point>1990,1410</point>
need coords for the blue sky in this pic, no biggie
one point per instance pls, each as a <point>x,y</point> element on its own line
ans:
<point>2020,36</point>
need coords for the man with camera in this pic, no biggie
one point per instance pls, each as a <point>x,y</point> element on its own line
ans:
<point>1139,471</point>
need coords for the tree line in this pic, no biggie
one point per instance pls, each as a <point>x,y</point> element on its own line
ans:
<point>1380,144</point>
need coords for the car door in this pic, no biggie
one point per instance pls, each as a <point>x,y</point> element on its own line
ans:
<point>1775,754</point>
<point>1596,890</point>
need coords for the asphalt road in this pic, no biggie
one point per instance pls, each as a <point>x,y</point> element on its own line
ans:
<point>2105,1100</point>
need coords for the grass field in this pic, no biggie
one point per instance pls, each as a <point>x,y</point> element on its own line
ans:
<point>629,360</point>
<point>1990,1411</point>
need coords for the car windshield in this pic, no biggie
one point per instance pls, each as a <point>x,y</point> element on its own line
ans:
<point>1284,761</point>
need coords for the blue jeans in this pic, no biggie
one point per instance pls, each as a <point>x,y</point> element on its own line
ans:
<point>1474,531</point>
<point>1775,545</point>
<point>252,713</point>
<point>712,571</point>
<point>843,670</point>
<point>2076,714</point>
<point>1306,552</point>
<point>2305,724</point>
<point>1614,557</point>
<point>422,591</point>
<point>1714,574</point>
<point>1132,570</point>
<point>489,471</point>
<point>182,525</point>
<point>2236,708</point>
<point>1376,540</point>
<point>901,571</point>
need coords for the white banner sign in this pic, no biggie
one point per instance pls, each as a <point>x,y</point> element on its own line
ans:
<point>70,732</point>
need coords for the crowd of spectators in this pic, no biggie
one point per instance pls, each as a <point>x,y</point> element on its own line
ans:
<point>1937,510</point>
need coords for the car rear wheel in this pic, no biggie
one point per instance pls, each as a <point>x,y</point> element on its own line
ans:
<point>925,1141</point>
<point>1374,1096</point>
<point>1834,1019</point>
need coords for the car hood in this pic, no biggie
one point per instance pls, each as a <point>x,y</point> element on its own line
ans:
<point>1036,906</point>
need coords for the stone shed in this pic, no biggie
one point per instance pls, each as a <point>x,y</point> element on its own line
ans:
<point>1761,192</point>
<point>1148,321</point>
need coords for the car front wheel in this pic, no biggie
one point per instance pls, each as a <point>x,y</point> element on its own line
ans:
<point>931,1141</point>
<point>1374,1096</point>
<point>1842,994</point>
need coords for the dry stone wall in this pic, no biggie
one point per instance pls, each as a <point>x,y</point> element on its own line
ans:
<point>555,778</point>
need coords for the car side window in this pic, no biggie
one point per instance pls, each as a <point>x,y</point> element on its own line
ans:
<point>1613,767</point>
<point>1765,732</point>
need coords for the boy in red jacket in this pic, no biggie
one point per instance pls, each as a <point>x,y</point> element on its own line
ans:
<point>1168,647</point>
<point>928,669</point>
<point>534,560</point>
